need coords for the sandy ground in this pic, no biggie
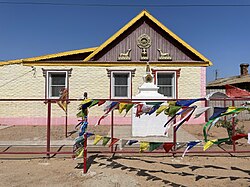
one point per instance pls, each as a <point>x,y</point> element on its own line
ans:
<point>122,169</point>
<point>127,171</point>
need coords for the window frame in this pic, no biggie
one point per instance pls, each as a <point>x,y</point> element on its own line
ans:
<point>176,76</point>
<point>47,74</point>
<point>110,71</point>
<point>112,84</point>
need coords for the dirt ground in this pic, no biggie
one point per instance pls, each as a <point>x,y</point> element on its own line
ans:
<point>122,170</point>
<point>127,171</point>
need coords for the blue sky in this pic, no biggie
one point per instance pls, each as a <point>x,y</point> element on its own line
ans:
<point>221,33</point>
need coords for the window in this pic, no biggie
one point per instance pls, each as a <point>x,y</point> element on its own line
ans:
<point>166,81</point>
<point>56,80</point>
<point>121,84</point>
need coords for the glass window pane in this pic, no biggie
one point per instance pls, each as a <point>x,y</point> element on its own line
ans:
<point>121,79</point>
<point>55,90</point>
<point>58,79</point>
<point>165,79</point>
<point>165,82</point>
<point>57,82</point>
<point>121,91</point>
<point>166,91</point>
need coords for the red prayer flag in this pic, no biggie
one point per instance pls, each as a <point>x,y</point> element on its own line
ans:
<point>101,102</point>
<point>167,146</point>
<point>113,141</point>
<point>238,136</point>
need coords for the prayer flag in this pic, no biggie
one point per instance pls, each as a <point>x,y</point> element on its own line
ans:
<point>86,103</point>
<point>130,142</point>
<point>161,109</point>
<point>128,107</point>
<point>221,140</point>
<point>185,118</point>
<point>97,139</point>
<point>199,111</point>
<point>209,144</point>
<point>101,102</point>
<point>172,110</point>
<point>238,136</point>
<point>79,153</point>
<point>105,140</point>
<point>139,110</point>
<point>188,102</point>
<point>154,145</point>
<point>94,102</point>
<point>153,109</point>
<point>218,111</point>
<point>111,107</point>
<point>63,99</point>
<point>122,106</point>
<point>113,141</point>
<point>83,128</point>
<point>123,143</point>
<point>190,145</point>
<point>248,141</point>
<point>89,134</point>
<point>167,146</point>
<point>144,146</point>
<point>79,140</point>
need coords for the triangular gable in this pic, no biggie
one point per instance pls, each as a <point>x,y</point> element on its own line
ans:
<point>49,56</point>
<point>160,25</point>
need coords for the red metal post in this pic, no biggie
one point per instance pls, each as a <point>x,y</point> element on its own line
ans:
<point>233,132</point>
<point>48,127</point>
<point>85,150</point>
<point>66,123</point>
<point>112,129</point>
<point>206,113</point>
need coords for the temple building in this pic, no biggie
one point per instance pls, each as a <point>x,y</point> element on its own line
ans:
<point>112,70</point>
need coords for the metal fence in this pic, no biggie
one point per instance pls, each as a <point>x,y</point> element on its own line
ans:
<point>41,127</point>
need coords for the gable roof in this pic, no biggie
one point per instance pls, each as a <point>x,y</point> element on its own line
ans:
<point>230,80</point>
<point>49,56</point>
<point>164,28</point>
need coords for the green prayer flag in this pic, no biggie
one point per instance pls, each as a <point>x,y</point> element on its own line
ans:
<point>94,102</point>
<point>105,140</point>
<point>154,145</point>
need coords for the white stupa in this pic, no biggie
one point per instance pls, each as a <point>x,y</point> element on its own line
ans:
<point>148,125</point>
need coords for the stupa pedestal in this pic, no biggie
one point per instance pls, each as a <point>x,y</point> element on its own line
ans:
<point>148,125</point>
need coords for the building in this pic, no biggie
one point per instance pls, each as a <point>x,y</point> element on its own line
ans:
<point>241,81</point>
<point>112,70</point>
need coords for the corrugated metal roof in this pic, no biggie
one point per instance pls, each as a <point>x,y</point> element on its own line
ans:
<point>230,80</point>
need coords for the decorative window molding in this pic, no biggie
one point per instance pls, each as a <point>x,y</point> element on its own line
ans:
<point>120,83</point>
<point>55,80</point>
<point>167,81</point>
<point>121,70</point>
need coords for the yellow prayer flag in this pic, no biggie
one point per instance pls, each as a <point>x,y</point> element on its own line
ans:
<point>161,109</point>
<point>86,101</point>
<point>97,139</point>
<point>209,144</point>
<point>144,146</point>
<point>80,154</point>
<point>230,109</point>
<point>122,106</point>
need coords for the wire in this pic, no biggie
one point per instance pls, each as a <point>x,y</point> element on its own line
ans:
<point>123,5</point>
<point>33,69</point>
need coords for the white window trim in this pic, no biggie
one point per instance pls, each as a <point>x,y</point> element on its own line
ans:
<point>48,73</point>
<point>112,84</point>
<point>174,83</point>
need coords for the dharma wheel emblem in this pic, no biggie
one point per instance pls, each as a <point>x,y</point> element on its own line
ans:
<point>144,42</point>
